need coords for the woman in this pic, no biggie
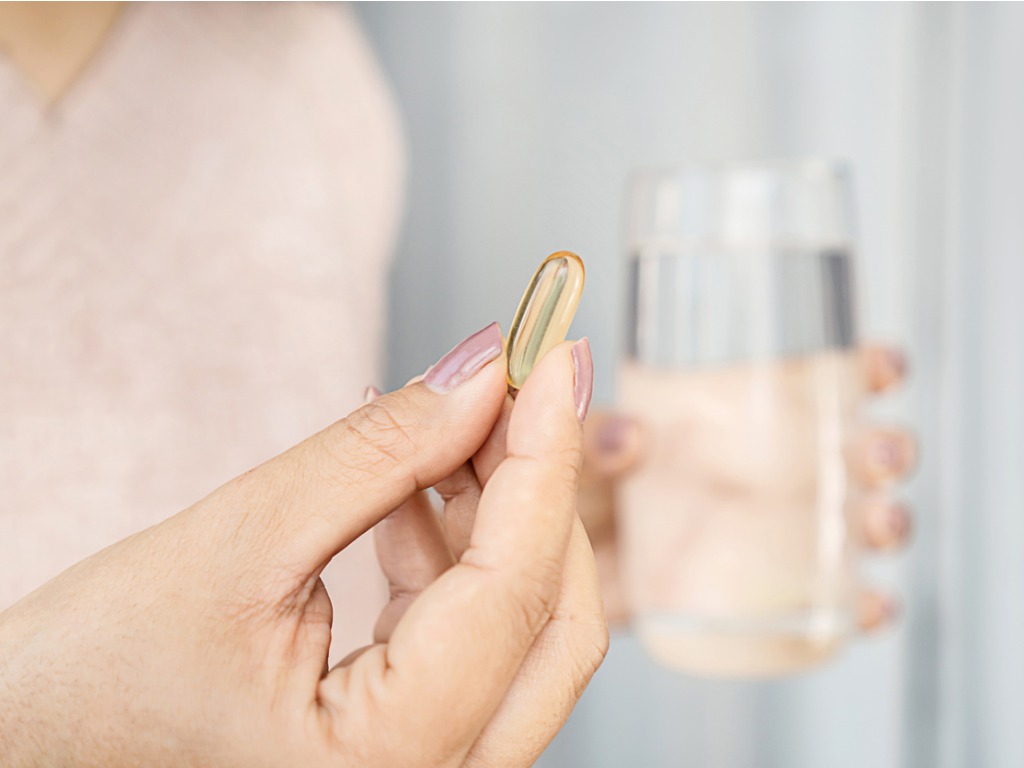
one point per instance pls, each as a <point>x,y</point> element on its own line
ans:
<point>198,206</point>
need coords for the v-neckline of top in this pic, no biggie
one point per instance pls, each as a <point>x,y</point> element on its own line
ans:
<point>29,96</point>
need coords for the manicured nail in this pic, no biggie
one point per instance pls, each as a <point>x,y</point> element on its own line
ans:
<point>583,365</point>
<point>878,611</point>
<point>614,434</point>
<point>892,608</point>
<point>888,455</point>
<point>897,363</point>
<point>370,394</point>
<point>887,524</point>
<point>898,521</point>
<point>465,359</point>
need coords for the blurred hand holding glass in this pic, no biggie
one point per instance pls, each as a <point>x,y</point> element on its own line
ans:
<point>736,545</point>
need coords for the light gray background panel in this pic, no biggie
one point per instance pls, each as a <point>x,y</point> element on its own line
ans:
<point>522,122</point>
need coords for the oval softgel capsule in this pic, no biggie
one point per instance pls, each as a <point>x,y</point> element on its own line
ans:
<point>544,314</point>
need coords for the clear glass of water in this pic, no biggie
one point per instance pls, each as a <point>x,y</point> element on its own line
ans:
<point>736,545</point>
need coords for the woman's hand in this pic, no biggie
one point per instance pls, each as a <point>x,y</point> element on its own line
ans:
<point>204,640</point>
<point>614,445</point>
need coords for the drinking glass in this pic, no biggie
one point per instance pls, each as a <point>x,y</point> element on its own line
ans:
<point>736,545</point>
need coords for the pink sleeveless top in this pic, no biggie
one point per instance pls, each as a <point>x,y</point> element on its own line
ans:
<point>193,246</point>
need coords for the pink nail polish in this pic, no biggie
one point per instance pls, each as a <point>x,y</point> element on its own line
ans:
<point>888,454</point>
<point>892,608</point>
<point>583,388</point>
<point>370,394</point>
<point>614,434</point>
<point>897,361</point>
<point>465,359</point>
<point>899,522</point>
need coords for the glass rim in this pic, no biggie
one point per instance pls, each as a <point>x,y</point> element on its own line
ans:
<point>798,201</point>
<point>809,167</point>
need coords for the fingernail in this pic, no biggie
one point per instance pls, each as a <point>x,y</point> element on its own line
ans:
<point>370,394</point>
<point>465,359</point>
<point>898,520</point>
<point>878,611</point>
<point>614,434</point>
<point>887,524</point>
<point>897,363</point>
<point>888,454</point>
<point>892,608</point>
<point>583,365</point>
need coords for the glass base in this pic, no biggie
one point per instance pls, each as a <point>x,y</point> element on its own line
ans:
<point>743,648</point>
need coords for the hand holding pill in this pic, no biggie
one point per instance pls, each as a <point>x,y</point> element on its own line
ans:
<point>204,640</point>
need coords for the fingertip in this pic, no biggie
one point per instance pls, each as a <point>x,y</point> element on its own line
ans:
<point>887,525</point>
<point>486,384</point>
<point>885,367</point>
<point>877,611</point>
<point>546,409</point>
<point>891,453</point>
<point>466,359</point>
<point>612,443</point>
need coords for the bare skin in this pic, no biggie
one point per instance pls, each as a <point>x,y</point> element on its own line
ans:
<point>204,640</point>
<point>882,457</point>
<point>51,44</point>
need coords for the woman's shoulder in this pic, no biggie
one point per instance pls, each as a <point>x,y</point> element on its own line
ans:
<point>285,101</point>
<point>272,41</point>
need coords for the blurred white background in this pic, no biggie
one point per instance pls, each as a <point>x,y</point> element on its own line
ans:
<point>522,122</point>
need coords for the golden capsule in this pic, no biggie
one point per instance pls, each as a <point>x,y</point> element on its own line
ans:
<point>544,314</point>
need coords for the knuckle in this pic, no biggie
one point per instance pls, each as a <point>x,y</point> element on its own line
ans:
<point>590,647</point>
<point>564,465</point>
<point>569,461</point>
<point>529,595</point>
<point>460,483</point>
<point>374,440</point>
<point>586,637</point>
<point>539,590</point>
<point>600,642</point>
<point>535,603</point>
